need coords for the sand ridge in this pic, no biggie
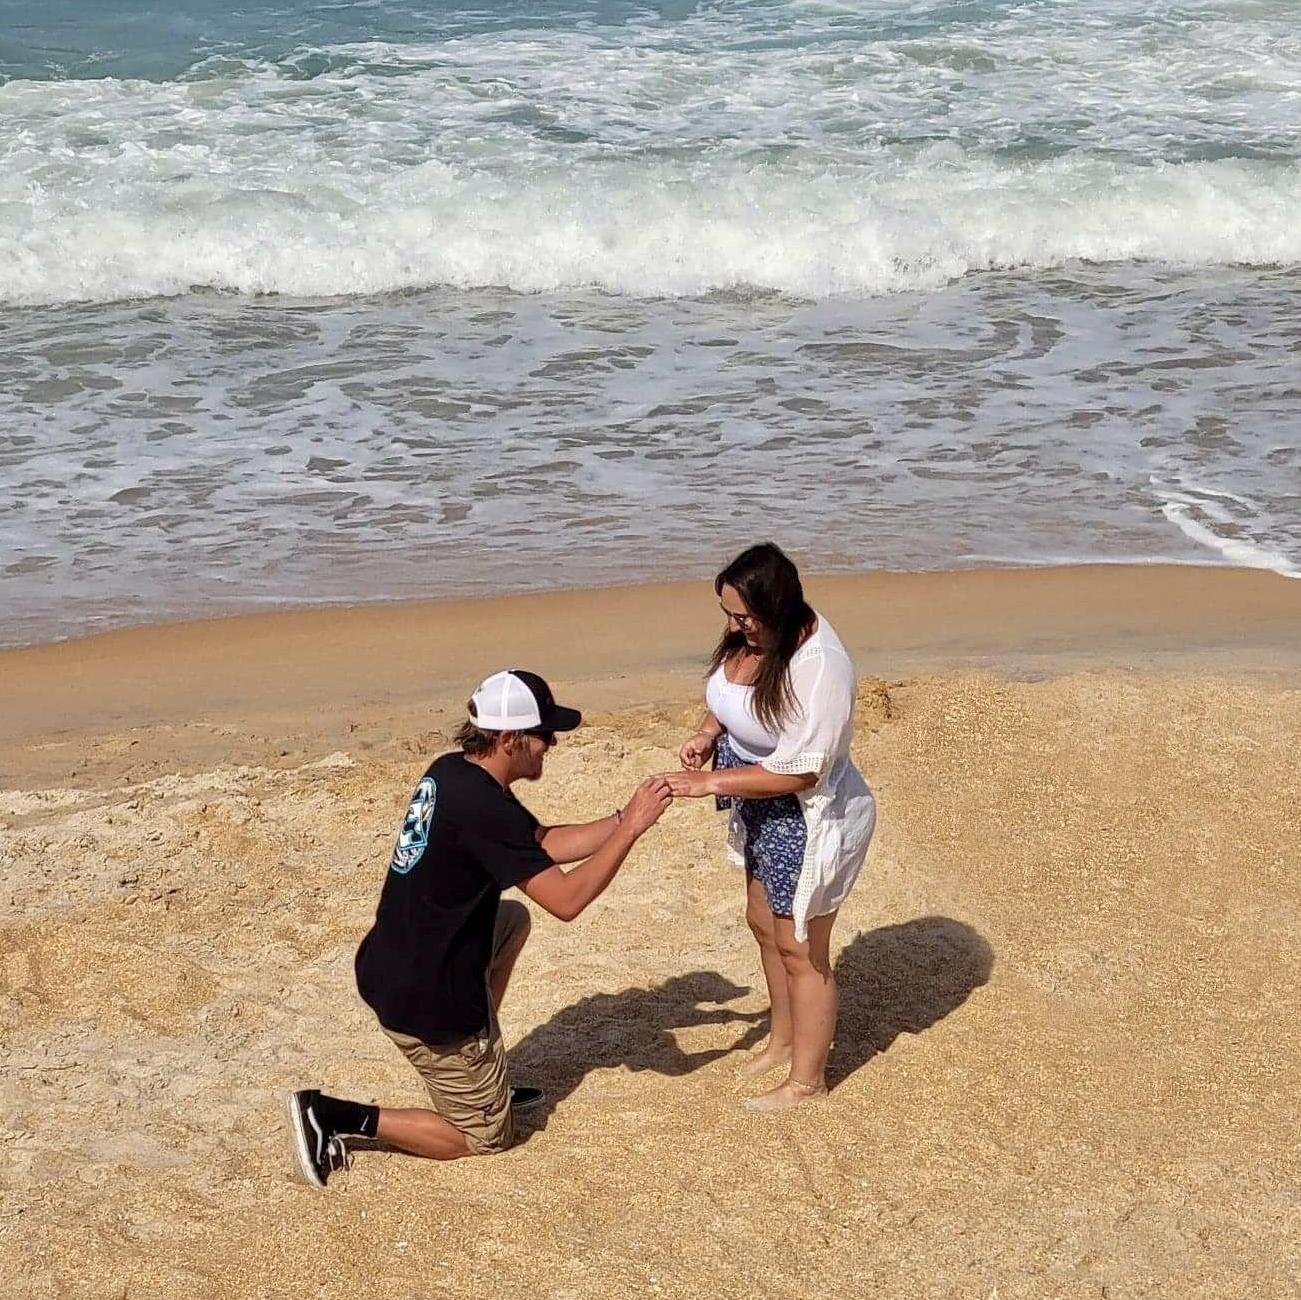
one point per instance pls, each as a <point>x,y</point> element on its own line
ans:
<point>1066,1065</point>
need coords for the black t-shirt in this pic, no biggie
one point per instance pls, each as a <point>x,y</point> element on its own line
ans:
<point>423,967</point>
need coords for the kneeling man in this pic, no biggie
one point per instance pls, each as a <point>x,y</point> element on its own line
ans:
<point>436,963</point>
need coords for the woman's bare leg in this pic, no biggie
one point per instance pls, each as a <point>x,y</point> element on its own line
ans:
<point>813,1005</point>
<point>777,1050</point>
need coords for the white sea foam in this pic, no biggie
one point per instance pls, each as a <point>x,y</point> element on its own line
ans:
<point>666,159</point>
<point>1199,513</point>
<point>665,230</point>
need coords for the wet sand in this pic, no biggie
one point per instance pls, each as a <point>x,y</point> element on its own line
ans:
<point>1067,1061</point>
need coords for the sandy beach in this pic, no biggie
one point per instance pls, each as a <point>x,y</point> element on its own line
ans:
<point>1067,1063</point>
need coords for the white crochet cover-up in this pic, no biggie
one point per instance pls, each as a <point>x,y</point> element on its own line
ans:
<point>839,811</point>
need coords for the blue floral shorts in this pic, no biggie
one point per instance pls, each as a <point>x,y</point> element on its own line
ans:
<point>775,836</point>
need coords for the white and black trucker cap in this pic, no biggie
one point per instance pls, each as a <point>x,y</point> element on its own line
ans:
<point>518,700</point>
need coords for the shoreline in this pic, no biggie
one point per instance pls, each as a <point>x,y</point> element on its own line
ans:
<point>216,612</point>
<point>286,684</point>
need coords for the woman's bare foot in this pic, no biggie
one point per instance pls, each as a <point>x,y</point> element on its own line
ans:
<point>787,1095</point>
<point>772,1057</point>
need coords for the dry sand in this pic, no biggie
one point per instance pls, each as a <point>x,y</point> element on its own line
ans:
<point>1067,1062</point>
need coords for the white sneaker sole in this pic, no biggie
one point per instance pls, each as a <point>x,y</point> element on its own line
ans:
<point>302,1151</point>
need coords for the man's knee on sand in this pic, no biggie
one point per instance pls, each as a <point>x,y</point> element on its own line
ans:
<point>488,1130</point>
<point>466,1081</point>
<point>502,1139</point>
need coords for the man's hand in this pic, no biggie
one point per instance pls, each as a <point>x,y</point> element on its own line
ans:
<point>697,751</point>
<point>566,893</point>
<point>647,805</point>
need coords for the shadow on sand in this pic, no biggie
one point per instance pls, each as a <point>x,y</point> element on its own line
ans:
<point>897,979</point>
<point>632,1029</point>
<point>902,979</point>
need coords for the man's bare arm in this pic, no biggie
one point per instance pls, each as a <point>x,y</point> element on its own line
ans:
<point>566,893</point>
<point>575,842</point>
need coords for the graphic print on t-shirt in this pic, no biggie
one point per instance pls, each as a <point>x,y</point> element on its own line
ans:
<point>414,835</point>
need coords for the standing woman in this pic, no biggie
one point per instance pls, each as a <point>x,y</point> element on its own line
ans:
<point>781,702</point>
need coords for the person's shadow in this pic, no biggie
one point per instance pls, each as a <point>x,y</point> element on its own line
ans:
<point>897,979</point>
<point>902,979</point>
<point>631,1029</point>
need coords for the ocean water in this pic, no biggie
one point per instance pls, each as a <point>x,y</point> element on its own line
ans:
<point>338,302</point>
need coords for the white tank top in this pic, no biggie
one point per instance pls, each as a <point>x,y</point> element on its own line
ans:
<point>730,703</point>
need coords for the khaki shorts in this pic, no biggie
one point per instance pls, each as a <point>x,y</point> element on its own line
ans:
<point>466,1081</point>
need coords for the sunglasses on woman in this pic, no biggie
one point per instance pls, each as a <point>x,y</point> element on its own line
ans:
<point>745,622</point>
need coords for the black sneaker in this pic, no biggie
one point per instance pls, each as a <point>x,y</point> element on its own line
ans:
<point>317,1152</point>
<point>526,1098</point>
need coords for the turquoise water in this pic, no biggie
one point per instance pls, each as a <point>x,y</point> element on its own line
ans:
<point>334,302</point>
<point>63,41</point>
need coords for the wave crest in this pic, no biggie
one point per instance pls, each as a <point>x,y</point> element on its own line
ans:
<point>658,232</point>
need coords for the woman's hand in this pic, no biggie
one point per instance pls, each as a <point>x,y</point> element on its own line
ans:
<point>697,751</point>
<point>689,785</point>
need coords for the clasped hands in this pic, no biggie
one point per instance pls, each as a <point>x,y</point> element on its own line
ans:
<point>657,792</point>
<point>749,780</point>
<point>694,780</point>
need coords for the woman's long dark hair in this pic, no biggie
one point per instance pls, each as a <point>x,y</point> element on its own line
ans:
<point>769,583</point>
